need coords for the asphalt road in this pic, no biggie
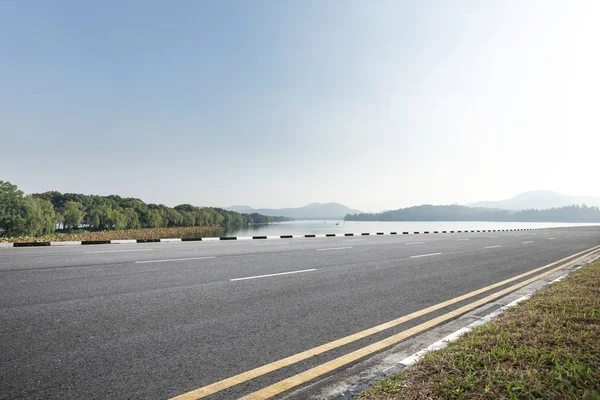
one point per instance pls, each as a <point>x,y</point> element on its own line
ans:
<point>151,321</point>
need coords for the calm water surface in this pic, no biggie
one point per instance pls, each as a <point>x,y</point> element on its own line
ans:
<point>322,227</point>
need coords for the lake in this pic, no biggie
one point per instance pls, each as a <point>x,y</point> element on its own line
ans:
<point>308,227</point>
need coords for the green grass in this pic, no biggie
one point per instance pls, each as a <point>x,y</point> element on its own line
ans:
<point>547,347</point>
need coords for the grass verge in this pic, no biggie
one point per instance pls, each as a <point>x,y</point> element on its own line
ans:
<point>148,233</point>
<point>546,347</point>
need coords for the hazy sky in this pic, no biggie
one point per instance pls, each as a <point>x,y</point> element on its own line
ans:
<point>377,105</point>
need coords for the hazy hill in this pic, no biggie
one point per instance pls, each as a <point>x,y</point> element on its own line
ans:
<point>463,213</point>
<point>310,211</point>
<point>429,212</point>
<point>241,209</point>
<point>541,199</point>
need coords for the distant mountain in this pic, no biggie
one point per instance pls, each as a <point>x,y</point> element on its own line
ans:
<point>462,213</point>
<point>241,209</point>
<point>310,211</point>
<point>542,199</point>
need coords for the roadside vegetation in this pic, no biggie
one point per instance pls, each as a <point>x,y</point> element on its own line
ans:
<point>147,233</point>
<point>547,347</point>
<point>43,214</point>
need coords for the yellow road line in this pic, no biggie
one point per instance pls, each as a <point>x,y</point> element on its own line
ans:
<point>284,362</point>
<point>330,366</point>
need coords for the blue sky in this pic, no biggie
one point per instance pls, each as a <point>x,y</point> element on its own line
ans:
<point>376,105</point>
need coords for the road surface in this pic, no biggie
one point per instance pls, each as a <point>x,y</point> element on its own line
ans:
<point>158,320</point>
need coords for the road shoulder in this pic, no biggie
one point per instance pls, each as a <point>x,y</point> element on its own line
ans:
<point>348,383</point>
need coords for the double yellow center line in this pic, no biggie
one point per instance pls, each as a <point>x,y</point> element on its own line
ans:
<point>327,367</point>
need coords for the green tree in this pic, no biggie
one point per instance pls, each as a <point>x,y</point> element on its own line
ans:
<point>38,213</point>
<point>47,215</point>
<point>173,217</point>
<point>107,219</point>
<point>60,220</point>
<point>154,220</point>
<point>119,219</point>
<point>73,214</point>
<point>92,218</point>
<point>12,222</point>
<point>33,217</point>
<point>140,208</point>
<point>132,220</point>
<point>186,207</point>
<point>188,218</point>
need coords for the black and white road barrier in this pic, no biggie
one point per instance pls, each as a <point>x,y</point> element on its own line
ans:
<point>262,237</point>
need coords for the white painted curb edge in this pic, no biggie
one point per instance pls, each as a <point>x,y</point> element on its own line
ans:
<point>70,243</point>
<point>208,239</point>
<point>440,344</point>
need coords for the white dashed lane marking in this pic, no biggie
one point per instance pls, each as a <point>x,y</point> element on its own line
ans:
<point>173,259</point>
<point>115,251</point>
<point>425,255</point>
<point>270,275</point>
<point>334,248</point>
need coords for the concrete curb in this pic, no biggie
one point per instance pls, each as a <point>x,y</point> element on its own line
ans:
<point>206,239</point>
<point>440,344</point>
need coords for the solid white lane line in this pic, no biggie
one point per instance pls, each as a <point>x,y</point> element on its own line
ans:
<point>174,259</point>
<point>461,240</point>
<point>269,275</point>
<point>492,247</point>
<point>414,242</point>
<point>529,241</point>
<point>551,238</point>
<point>270,244</point>
<point>115,251</point>
<point>426,255</point>
<point>334,248</point>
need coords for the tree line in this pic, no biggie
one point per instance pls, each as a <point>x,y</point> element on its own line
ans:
<point>574,213</point>
<point>42,213</point>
